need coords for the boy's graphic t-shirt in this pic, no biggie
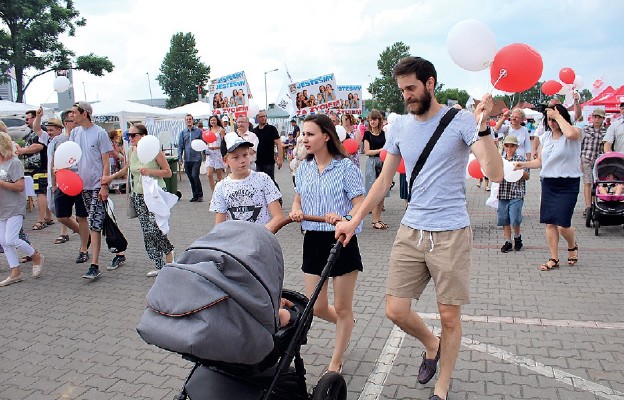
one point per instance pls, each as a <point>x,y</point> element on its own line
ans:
<point>245,199</point>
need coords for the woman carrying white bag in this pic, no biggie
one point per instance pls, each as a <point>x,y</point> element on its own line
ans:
<point>153,163</point>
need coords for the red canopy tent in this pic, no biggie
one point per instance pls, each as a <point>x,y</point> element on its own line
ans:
<point>609,98</point>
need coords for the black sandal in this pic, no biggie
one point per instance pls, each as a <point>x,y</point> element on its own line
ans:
<point>548,267</point>
<point>573,260</point>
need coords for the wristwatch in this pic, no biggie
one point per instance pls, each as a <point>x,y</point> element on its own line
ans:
<point>486,132</point>
<point>347,217</point>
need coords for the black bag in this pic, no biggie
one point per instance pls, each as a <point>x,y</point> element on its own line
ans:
<point>115,240</point>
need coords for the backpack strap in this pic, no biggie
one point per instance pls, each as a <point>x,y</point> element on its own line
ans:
<point>446,119</point>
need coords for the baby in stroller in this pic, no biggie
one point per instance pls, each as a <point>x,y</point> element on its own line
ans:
<point>610,186</point>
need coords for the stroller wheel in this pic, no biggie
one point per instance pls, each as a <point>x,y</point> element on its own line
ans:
<point>331,386</point>
<point>596,227</point>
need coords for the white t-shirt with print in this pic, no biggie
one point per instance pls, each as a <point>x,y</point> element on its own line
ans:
<point>245,199</point>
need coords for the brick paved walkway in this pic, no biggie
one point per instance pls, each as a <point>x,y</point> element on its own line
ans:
<point>527,334</point>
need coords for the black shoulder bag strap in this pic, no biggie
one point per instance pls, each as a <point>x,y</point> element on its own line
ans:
<point>446,119</point>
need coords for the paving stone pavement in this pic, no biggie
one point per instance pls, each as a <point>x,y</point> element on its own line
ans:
<point>527,334</point>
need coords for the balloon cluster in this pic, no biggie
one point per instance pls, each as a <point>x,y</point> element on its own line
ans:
<point>66,156</point>
<point>568,82</point>
<point>514,68</point>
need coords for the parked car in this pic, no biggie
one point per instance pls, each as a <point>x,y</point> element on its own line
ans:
<point>17,127</point>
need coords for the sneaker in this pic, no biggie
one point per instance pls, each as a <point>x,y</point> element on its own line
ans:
<point>152,273</point>
<point>506,247</point>
<point>82,257</point>
<point>428,368</point>
<point>193,200</point>
<point>518,243</point>
<point>92,273</point>
<point>118,261</point>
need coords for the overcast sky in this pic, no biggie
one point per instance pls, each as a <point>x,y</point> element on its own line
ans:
<point>343,37</point>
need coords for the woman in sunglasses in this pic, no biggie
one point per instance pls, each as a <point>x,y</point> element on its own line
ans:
<point>559,159</point>
<point>156,244</point>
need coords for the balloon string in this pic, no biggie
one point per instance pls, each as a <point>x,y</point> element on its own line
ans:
<point>501,75</point>
<point>47,98</point>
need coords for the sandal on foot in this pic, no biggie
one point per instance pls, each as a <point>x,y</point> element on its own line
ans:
<point>61,239</point>
<point>379,225</point>
<point>49,222</point>
<point>547,267</point>
<point>39,225</point>
<point>574,259</point>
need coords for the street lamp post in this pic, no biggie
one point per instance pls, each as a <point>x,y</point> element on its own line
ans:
<point>266,101</point>
<point>149,85</point>
<point>84,90</point>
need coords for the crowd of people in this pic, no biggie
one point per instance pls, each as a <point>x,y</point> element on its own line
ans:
<point>432,242</point>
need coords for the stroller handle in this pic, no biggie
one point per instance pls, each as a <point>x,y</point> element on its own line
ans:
<point>288,220</point>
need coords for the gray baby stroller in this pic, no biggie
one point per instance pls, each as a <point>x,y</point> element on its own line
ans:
<point>218,306</point>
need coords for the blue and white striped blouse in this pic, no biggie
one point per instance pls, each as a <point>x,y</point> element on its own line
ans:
<point>330,191</point>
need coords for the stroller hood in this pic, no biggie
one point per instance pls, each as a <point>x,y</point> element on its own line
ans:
<point>609,163</point>
<point>220,299</point>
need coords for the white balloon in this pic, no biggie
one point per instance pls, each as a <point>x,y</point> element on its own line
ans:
<point>472,45</point>
<point>566,88</point>
<point>198,145</point>
<point>148,148</point>
<point>342,132</point>
<point>392,117</point>
<point>509,173</point>
<point>61,84</point>
<point>579,82</point>
<point>252,110</point>
<point>67,155</point>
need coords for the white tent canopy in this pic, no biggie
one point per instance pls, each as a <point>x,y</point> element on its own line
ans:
<point>8,109</point>
<point>129,110</point>
<point>532,114</point>
<point>199,109</point>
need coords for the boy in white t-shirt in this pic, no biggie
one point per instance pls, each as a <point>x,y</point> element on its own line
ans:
<point>244,194</point>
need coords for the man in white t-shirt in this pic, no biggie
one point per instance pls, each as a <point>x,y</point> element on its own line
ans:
<point>242,129</point>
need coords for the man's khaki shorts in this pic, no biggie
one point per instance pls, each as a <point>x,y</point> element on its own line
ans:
<point>588,168</point>
<point>417,256</point>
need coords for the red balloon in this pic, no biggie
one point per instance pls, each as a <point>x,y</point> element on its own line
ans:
<point>567,75</point>
<point>551,87</point>
<point>521,65</point>
<point>350,145</point>
<point>492,122</point>
<point>209,136</point>
<point>383,155</point>
<point>68,182</point>
<point>401,167</point>
<point>474,169</point>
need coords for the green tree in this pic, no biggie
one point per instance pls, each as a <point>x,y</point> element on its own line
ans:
<point>29,40</point>
<point>442,95</point>
<point>181,71</point>
<point>386,94</point>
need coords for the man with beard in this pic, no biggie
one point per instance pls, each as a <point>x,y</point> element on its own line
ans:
<point>435,238</point>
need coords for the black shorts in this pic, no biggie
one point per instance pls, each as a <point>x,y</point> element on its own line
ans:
<point>316,247</point>
<point>40,182</point>
<point>64,203</point>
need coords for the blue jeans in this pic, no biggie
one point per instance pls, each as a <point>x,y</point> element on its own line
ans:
<point>192,172</point>
<point>510,212</point>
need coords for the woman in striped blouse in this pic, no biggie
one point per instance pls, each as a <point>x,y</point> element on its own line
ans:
<point>328,183</point>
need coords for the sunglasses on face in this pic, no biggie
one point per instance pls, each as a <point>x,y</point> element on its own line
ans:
<point>132,135</point>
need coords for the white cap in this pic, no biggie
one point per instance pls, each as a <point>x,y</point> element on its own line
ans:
<point>231,142</point>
